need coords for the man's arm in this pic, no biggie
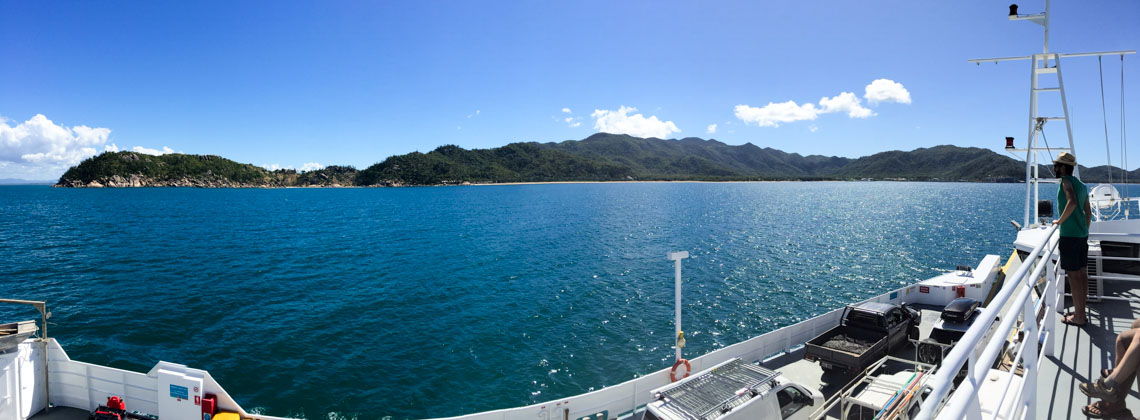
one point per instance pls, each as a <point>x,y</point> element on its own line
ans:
<point>1070,205</point>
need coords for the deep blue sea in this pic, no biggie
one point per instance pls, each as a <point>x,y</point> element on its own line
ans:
<point>426,302</point>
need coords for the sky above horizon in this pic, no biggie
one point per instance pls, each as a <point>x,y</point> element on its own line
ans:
<point>307,84</point>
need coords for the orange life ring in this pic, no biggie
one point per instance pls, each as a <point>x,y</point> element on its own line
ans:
<point>673,372</point>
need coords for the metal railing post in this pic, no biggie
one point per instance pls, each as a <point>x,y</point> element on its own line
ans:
<point>1047,320</point>
<point>974,409</point>
<point>1029,359</point>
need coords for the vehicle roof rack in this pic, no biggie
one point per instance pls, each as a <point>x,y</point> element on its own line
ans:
<point>718,390</point>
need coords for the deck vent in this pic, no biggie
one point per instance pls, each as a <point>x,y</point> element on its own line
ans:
<point>1095,271</point>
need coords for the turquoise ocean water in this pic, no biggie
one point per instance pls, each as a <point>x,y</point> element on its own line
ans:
<point>426,302</point>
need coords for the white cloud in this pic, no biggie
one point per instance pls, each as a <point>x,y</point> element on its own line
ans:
<point>773,114</point>
<point>620,122</point>
<point>813,128</point>
<point>154,152</point>
<point>40,141</point>
<point>309,166</point>
<point>40,149</point>
<point>571,122</point>
<point>711,129</point>
<point>886,90</point>
<point>845,101</point>
<point>565,110</point>
<point>476,114</point>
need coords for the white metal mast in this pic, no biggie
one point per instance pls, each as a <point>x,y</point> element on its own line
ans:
<point>1041,64</point>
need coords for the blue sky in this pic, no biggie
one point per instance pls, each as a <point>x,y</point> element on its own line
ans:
<point>288,83</point>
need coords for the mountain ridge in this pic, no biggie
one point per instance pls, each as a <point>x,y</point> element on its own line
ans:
<point>599,157</point>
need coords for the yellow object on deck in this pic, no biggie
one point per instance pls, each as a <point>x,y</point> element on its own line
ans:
<point>227,416</point>
<point>1011,265</point>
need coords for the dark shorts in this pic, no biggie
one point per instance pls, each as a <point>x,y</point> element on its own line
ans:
<point>1074,253</point>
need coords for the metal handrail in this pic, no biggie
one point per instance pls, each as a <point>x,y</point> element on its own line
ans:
<point>943,380</point>
<point>960,401</point>
<point>40,306</point>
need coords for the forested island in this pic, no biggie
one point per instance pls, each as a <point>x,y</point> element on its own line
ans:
<point>600,157</point>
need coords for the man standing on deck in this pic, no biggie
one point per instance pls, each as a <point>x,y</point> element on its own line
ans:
<point>1073,198</point>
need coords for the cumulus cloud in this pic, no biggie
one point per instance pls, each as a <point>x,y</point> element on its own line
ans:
<point>886,90</point>
<point>711,129</point>
<point>153,152</point>
<point>40,149</point>
<point>309,166</point>
<point>565,110</point>
<point>620,122</point>
<point>571,122</point>
<point>773,114</point>
<point>40,141</point>
<point>776,113</point>
<point>844,102</point>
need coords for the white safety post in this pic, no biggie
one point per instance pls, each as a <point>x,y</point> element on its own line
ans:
<point>676,257</point>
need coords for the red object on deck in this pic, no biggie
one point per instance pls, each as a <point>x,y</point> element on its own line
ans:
<point>116,403</point>
<point>961,291</point>
<point>209,405</point>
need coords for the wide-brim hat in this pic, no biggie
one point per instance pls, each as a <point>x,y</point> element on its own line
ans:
<point>1066,158</point>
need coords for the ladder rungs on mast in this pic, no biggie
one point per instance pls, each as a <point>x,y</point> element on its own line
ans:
<point>1052,89</point>
<point>1045,70</point>
<point>1051,118</point>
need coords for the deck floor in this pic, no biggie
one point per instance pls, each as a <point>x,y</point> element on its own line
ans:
<point>1080,354</point>
<point>61,413</point>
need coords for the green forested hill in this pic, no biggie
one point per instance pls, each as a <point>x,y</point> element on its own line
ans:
<point>130,169</point>
<point>515,162</point>
<point>947,163</point>
<point>600,157</point>
<point>693,158</point>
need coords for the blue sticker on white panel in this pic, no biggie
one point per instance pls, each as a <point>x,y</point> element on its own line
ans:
<point>179,392</point>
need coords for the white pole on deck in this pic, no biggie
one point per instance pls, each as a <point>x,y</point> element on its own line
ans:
<point>676,257</point>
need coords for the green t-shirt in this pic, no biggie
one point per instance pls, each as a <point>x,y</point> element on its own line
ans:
<point>1074,226</point>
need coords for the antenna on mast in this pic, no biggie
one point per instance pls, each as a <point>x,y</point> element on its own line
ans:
<point>1039,18</point>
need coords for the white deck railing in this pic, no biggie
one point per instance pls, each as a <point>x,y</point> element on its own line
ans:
<point>1012,303</point>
